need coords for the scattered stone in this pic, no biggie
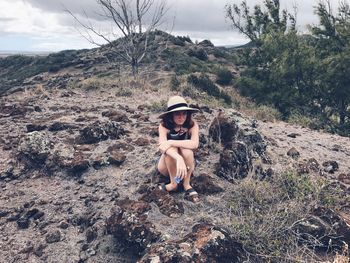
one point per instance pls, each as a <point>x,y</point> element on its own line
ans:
<point>142,141</point>
<point>254,123</point>
<point>38,250</point>
<point>206,243</point>
<point>132,229</point>
<point>293,135</point>
<point>100,131</point>
<point>140,117</point>
<point>91,234</point>
<point>37,109</point>
<point>35,147</point>
<point>120,146</point>
<point>35,127</point>
<point>313,165</point>
<point>53,237</point>
<point>204,185</point>
<point>166,203</point>
<point>139,207</point>
<point>60,126</point>
<point>100,161</point>
<point>63,225</point>
<point>115,116</point>
<point>293,153</point>
<point>336,148</point>
<point>23,223</point>
<point>4,212</point>
<point>344,178</point>
<point>330,166</point>
<point>77,165</point>
<point>324,229</point>
<point>116,158</point>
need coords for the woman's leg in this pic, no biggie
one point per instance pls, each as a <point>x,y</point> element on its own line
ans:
<point>167,167</point>
<point>190,163</point>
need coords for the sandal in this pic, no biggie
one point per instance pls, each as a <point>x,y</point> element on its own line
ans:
<point>191,195</point>
<point>162,187</point>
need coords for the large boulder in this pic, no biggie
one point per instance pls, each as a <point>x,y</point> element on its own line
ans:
<point>234,163</point>
<point>206,243</point>
<point>34,148</point>
<point>241,144</point>
<point>100,131</point>
<point>129,225</point>
<point>204,184</point>
<point>325,229</point>
<point>224,130</point>
<point>166,203</point>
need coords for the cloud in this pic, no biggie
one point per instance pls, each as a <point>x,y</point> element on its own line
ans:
<point>48,21</point>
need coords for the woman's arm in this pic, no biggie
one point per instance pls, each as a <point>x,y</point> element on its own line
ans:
<point>166,148</point>
<point>191,144</point>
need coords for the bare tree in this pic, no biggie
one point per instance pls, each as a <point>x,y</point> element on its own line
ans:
<point>132,21</point>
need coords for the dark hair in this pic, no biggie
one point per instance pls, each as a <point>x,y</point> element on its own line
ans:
<point>168,121</point>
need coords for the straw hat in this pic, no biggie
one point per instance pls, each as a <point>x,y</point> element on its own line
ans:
<point>177,103</point>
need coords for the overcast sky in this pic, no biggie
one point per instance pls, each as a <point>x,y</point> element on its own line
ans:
<point>43,25</point>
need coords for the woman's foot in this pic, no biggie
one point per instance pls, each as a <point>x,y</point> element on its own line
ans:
<point>167,187</point>
<point>191,195</point>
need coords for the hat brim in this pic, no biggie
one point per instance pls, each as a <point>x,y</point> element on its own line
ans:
<point>178,109</point>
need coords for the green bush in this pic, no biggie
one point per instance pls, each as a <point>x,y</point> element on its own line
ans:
<point>224,76</point>
<point>205,84</point>
<point>182,63</point>
<point>174,83</point>
<point>266,113</point>
<point>219,53</point>
<point>198,53</point>
<point>123,92</point>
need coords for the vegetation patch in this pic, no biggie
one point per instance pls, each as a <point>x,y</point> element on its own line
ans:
<point>265,211</point>
<point>204,83</point>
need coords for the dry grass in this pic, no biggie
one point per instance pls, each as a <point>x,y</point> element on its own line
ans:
<point>264,213</point>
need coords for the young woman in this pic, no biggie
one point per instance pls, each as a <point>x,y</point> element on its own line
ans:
<point>178,137</point>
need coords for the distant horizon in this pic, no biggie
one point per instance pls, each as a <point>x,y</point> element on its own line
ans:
<point>40,52</point>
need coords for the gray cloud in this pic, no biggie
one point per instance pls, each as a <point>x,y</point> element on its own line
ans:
<point>6,19</point>
<point>194,17</point>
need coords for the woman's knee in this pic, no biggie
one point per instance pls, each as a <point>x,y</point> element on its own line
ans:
<point>187,154</point>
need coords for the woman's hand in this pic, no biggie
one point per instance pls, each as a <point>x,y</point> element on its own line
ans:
<point>164,146</point>
<point>181,168</point>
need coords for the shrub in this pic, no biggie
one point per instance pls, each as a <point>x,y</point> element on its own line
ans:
<point>198,53</point>
<point>91,84</point>
<point>174,83</point>
<point>123,92</point>
<point>189,91</point>
<point>205,84</point>
<point>158,106</point>
<point>224,76</point>
<point>300,119</point>
<point>266,113</point>
<point>219,53</point>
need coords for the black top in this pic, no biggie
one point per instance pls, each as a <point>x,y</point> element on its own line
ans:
<point>178,135</point>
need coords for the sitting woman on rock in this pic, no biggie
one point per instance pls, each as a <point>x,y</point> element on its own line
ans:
<point>178,137</point>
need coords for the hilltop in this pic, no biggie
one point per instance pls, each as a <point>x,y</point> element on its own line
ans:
<point>79,147</point>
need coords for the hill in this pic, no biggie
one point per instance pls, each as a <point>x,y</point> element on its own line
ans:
<point>79,148</point>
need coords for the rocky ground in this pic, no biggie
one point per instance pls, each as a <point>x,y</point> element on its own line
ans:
<point>77,177</point>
